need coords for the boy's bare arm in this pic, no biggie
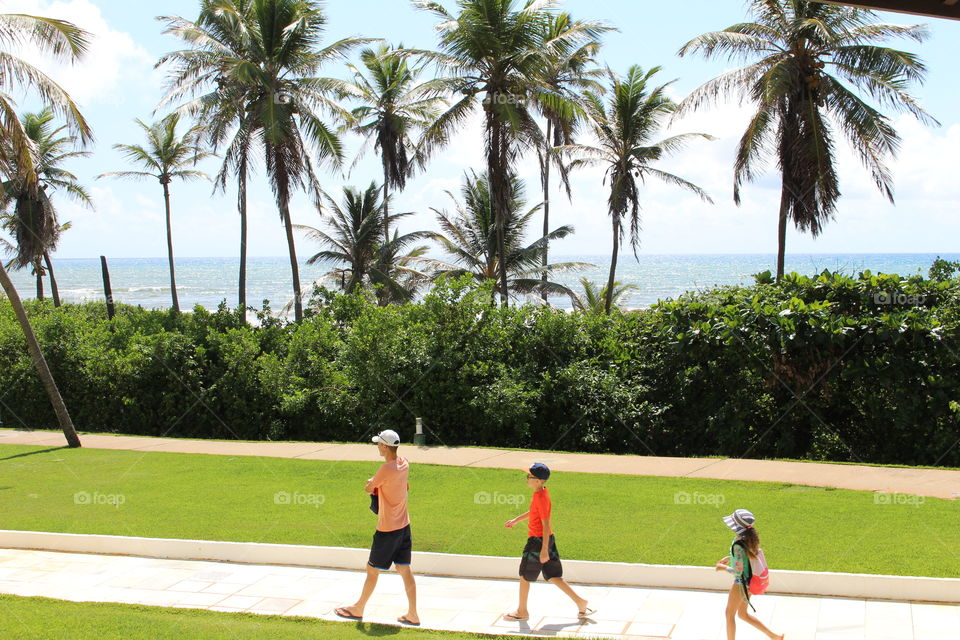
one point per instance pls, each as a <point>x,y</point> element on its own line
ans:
<point>523,516</point>
<point>545,547</point>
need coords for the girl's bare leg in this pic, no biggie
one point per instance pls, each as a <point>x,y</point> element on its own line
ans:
<point>746,615</point>
<point>734,600</point>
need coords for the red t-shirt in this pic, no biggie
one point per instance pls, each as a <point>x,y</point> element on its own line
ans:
<point>539,511</point>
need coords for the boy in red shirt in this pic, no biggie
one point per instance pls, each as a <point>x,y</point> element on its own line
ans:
<point>539,558</point>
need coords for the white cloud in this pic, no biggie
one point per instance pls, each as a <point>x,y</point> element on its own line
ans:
<point>114,67</point>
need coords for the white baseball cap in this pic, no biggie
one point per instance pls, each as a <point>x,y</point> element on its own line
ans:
<point>388,437</point>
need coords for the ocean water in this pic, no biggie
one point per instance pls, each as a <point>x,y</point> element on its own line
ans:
<point>208,281</point>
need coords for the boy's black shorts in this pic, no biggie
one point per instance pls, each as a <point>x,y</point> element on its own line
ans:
<point>390,547</point>
<point>530,566</point>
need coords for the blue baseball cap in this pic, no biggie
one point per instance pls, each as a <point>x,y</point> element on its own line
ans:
<point>540,471</point>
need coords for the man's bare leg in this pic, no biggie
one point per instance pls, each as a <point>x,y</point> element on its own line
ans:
<point>411,588</point>
<point>369,584</point>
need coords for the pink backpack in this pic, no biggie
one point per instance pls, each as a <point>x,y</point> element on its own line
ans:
<point>760,578</point>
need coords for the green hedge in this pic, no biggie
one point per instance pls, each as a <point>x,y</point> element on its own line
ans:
<point>829,368</point>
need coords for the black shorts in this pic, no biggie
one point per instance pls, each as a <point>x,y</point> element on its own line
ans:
<point>390,547</point>
<point>530,566</point>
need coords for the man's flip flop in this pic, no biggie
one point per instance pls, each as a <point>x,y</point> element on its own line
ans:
<point>343,613</point>
<point>509,617</point>
<point>586,613</point>
<point>406,620</point>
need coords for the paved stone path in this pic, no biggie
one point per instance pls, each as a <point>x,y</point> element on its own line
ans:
<point>458,603</point>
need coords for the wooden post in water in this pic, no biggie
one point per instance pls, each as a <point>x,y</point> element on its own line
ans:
<point>106,287</point>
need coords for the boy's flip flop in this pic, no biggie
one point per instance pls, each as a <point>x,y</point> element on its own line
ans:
<point>406,620</point>
<point>343,613</point>
<point>586,613</point>
<point>509,617</point>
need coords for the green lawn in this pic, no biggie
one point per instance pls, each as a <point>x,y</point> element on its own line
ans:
<point>596,517</point>
<point>44,619</point>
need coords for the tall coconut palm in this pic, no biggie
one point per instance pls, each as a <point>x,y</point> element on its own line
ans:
<point>810,59</point>
<point>624,130</point>
<point>394,109</point>
<point>259,59</point>
<point>567,73</point>
<point>497,48</point>
<point>67,42</point>
<point>167,155</point>
<point>354,240</point>
<point>470,238</point>
<point>33,221</point>
<point>220,39</point>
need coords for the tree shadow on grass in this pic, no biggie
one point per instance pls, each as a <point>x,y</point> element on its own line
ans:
<point>30,453</point>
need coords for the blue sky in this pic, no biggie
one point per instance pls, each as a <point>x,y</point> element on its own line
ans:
<point>117,84</point>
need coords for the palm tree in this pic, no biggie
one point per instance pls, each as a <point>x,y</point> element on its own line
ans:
<point>220,40</point>
<point>594,299</point>
<point>497,48</point>
<point>47,260</point>
<point>624,130</point>
<point>471,239</point>
<point>33,222</point>
<point>355,241</point>
<point>254,61</point>
<point>167,156</point>
<point>65,41</point>
<point>568,71</point>
<point>811,57</point>
<point>393,108</point>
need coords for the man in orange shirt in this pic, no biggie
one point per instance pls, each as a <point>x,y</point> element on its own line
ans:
<point>539,557</point>
<point>392,543</point>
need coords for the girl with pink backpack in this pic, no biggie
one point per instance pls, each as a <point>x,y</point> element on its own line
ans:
<point>747,563</point>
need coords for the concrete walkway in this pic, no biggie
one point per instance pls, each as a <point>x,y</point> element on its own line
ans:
<point>935,483</point>
<point>459,604</point>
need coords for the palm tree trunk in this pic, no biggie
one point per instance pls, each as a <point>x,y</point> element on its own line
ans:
<point>497,178</point>
<point>39,280</point>
<point>39,362</point>
<point>242,206</point>
<point>546,210</point>
<point>782,232</point>
<point>294,267</point>
<point>54,291</point>
<point>386,196</point>
<point>608,304</point>
<point>173,277</point>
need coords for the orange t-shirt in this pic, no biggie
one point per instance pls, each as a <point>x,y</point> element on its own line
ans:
<point>539,511</point>
<point>391,484</point>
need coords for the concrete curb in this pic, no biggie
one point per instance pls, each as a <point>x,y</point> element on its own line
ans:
<point>845,585</point>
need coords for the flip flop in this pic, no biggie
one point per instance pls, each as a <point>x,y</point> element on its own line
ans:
<point>509,617</point>
<point>586,613</point>
<point>346,614</point>
<point>406,620</point>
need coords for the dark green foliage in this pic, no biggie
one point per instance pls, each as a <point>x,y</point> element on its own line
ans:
<point>828,367</point>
